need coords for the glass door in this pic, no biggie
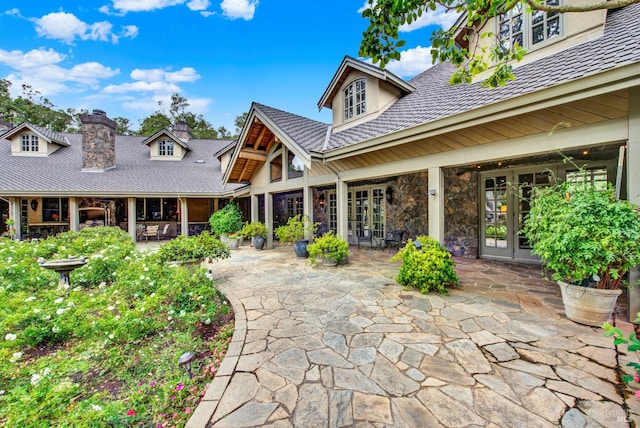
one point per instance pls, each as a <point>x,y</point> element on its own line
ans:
<point>526,182</point>
<point>495,224</point>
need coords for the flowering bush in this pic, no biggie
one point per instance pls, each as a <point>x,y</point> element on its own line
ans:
<point>104,352</point>
<point>633,347</point>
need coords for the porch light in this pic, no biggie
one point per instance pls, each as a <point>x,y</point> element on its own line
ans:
<point>185,362</point>
<point>389,194</point>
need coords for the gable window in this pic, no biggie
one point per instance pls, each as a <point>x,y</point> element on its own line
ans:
<point>276,164</point>
<point>29,143</point>
<point>295,167</point>
<point>355,100</point>
<point>527,30</point>
<point>165,148</point>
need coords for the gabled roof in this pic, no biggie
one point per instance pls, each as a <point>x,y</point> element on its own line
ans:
<point>168,134</point>
<point>225,149</point>
<point>263,128</point>
<point>48,135</point>
<point>347,66</point>
<point>60,173</point>
<point>435,100</point>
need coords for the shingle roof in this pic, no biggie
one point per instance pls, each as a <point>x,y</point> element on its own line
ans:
<point>52,136</point>
<point>435,99</point>
<point>307,133</point>
<point>135,172</point>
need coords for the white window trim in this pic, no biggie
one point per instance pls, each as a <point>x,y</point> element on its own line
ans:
<point>353,97</point>
<point>166,148</point>
<point>527,31</point>
<point>31,140</point>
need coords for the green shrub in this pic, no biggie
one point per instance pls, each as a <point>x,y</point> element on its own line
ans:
<point>430,268</point>
<point>297,228</point>
<point>226,220</point>
<point>330,247</point>
<point>197,247</point>
<point>255,228</point>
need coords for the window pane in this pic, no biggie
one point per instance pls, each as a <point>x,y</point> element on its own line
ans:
<point>537,35</point>
<point>276,169</point>
<point>295,166</point>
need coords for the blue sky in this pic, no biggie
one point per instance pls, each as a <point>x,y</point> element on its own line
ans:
<point>123,56</point>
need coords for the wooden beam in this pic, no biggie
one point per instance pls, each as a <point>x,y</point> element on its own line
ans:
<point>243,172</point>
<point>253,155</point>
<point>259,139</point>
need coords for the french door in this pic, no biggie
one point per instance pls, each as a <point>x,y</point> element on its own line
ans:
<point>505,197</point>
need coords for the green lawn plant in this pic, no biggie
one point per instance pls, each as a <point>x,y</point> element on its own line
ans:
<point>329,247</point>
<point>227,219</point>
<point>430,268</point>
<point>633,348</point>
<point>104,351</point>
<point>583,234</point>
<point>255,228</point>
<point>297,228</point>
<point>188,248</point>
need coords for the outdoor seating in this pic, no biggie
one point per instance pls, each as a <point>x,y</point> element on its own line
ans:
<point>394,239</point>
<point>151,231</point>
<point>165,232</point>
<point>364,236</point>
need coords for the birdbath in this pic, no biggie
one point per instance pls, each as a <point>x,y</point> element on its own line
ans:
<point>64,268</point>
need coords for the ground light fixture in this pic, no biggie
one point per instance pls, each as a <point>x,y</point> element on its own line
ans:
<point>185,362</point>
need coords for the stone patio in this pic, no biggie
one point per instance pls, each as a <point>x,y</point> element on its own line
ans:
<point>348,346</point>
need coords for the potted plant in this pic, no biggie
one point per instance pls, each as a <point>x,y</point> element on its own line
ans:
<point>296,231</point>
<point>257,232</point>
<point>329,248</point>
<point>588,239</point>
<point>192,250</point>
<point>227,221</point>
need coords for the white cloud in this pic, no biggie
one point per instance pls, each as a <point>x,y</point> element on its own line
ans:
<point>13,11</point>
<point>66,27</point>
<point>439,17</point>
<point>412,62</point>
<point>42,70</point>
<point>235,9</point>
<point>125,6</point>
<point>198,5</point>
<point>158,81</point>
<point>140,86</point>
<point>186,74</point>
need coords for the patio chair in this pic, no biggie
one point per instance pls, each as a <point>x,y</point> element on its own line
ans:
<point>164,233</point>
<point>151,230</point>
<point>364,236</point>
<point>394,239</point>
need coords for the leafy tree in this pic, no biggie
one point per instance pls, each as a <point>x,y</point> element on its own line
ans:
<point>31,107</point>
<point>224,134</point>
<point>122,126</point>
<point>240,120</point>
<point>380,40</point>
<point>154,123</point>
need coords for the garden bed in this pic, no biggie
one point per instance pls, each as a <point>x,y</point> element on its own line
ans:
<point>104,351</point>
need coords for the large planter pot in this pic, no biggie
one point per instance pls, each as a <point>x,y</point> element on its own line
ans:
<point>232,243</point>
<point>590,306</point>
<point>258,242</point>
<point>191,265</point>
<point>300,248</point>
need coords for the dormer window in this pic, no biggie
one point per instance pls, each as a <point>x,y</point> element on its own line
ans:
<point>165,148</point>
<point>355,100</point>
<point>527,30</point>
<point>29,143</point>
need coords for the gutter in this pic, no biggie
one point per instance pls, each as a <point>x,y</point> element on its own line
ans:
<point>610,81</point>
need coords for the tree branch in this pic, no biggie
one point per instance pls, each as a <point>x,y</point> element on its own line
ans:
<point>533,4</point>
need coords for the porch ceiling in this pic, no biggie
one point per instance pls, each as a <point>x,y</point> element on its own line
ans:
<point>600,108</point>
<point>253,152</point>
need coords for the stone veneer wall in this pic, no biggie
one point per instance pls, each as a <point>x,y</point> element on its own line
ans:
<point>409,209</point>
<point>98,142</point>
<point>461,212</point>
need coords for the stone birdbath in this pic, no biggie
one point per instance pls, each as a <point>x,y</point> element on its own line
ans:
<point>64,268</point>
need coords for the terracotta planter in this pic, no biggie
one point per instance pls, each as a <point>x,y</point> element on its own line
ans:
<point>590,306</point>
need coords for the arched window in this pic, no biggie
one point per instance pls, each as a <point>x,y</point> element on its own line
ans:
<point>355,99</point>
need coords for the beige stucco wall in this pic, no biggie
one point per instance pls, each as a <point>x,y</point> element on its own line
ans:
<point>379,96</point>
<point>44,147</point>
<point>576,28</point>
<point>224,161</point>
<point>178,151</point>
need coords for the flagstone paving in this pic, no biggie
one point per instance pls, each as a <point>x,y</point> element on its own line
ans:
<point>348,346</point>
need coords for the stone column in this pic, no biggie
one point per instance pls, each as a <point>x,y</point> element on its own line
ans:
<point>436,204</point>
<point>131,216</point>
<point>633,186</point>
<point>74,215</point>
<point>255,208</point>
<point>307,199</point>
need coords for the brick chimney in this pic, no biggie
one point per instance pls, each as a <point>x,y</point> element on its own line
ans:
<point>98,142</point>
<point>182,130</point>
